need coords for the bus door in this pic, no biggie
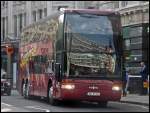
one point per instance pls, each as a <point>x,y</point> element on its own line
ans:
<point>34,76</point>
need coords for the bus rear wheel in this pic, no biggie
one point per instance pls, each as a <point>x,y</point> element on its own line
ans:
<point>25,90</point>
<point>51,100</point>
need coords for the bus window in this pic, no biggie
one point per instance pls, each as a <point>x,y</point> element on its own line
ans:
<point>91,44</point>
<point>31,66</point>
<point>49,67</point>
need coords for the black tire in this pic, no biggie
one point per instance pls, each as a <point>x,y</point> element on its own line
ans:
<point>50,98</point>
<point>25,91</point>
<point>103,104</point>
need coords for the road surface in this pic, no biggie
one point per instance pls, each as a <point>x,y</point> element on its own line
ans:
<point>16,103</point>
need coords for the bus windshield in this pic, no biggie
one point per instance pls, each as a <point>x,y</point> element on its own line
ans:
<point>91,47</point>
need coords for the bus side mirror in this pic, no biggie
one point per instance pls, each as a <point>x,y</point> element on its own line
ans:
<point>58,71</point>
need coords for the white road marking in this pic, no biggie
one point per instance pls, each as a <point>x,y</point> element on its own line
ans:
<point>33,107</point>
<point>144,107</point>
<point>36,107</point>
<point>6,104</point>
<point>5,110</point>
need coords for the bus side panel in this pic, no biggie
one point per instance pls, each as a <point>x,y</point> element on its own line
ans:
<point>43,85</point>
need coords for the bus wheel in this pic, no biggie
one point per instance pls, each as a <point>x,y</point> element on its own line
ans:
<point>23,89</point>
<point>51,100</point>
<point>103,104</point>
<point>26,90</point>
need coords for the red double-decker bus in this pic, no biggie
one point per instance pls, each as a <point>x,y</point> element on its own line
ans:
<point>74,54</point>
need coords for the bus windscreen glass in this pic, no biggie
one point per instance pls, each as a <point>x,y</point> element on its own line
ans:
<point>91,45</point>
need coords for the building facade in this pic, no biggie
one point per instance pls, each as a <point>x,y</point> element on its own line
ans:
<point>17,14</point>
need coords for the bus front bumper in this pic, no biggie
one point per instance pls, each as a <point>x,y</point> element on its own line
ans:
<point>90,95</point>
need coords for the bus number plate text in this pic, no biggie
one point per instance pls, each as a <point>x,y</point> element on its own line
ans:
<point>93,93</point>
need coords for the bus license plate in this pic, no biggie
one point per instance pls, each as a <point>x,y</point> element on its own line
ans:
<point>93,93</point>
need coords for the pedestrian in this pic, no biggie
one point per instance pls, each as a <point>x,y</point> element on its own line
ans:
<point>125,82</point>
<point>144,77</point>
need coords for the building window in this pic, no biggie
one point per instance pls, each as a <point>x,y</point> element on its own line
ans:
<point>135,31</point>
<point>40,13</point>
<point>34,16</point>
<point>131,18</point>
<point>15,25</point>
<point>146,17</point>
<point>3,32</point>
<point>126,32</point>
<point>136,46</point>
<point>108,5</point>
<point>20,23</point>
<point>127,44</point>
<point>132,32</point>
<point>18,2</point>
<point>124,3</point>
<point>116,5</point>
<point>1,29</point>
<point>136,40</point>
<point>45,12</point>
<point>4,4</point>
<point>24,19</point>
<point>6,26</point>
<point>136,52</point>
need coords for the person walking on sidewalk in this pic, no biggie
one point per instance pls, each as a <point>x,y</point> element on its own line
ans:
<point>125,82</point>
<point>144,77</point>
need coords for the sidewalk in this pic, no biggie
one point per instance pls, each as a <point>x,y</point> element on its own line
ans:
<point>136,99</point>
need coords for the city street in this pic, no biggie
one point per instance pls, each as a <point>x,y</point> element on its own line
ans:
<point>78,50</point>
<point>16,103</point>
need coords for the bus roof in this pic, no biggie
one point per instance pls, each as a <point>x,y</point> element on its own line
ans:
<point>90,11</point>
<point>93,11</point>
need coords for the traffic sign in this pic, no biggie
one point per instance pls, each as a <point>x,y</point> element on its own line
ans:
<point>10,50</point>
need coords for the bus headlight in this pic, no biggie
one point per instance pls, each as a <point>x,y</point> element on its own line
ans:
<point>68,86</point>
<point>116,88</point>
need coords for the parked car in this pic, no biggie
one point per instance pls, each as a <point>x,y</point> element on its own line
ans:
<point>5,84</point>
